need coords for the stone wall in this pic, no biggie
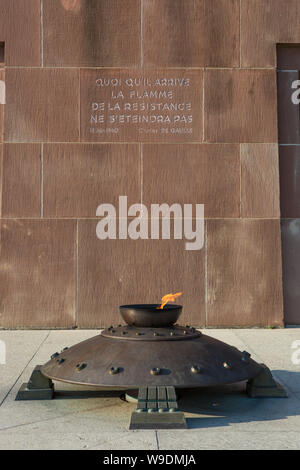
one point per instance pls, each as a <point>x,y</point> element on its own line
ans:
<point>54,271</point>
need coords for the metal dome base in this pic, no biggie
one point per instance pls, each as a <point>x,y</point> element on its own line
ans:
<point>154,359</point>
<point>133,357</point>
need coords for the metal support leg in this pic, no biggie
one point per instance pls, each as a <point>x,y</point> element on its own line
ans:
<point>264,386</point>
<point>157,409</point>
<point>38,387</point>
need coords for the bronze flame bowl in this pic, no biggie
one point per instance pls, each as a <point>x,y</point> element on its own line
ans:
<point>149,315</point>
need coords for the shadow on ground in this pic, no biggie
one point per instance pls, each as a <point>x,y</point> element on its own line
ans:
<point>224,405</point>
<point>213,406</point>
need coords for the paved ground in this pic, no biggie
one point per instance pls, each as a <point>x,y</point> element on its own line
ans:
<point>217,419</point>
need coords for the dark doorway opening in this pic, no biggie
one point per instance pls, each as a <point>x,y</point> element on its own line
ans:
<point>288,89</point>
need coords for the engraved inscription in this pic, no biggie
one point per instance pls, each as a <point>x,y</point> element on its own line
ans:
<point>132,105</point>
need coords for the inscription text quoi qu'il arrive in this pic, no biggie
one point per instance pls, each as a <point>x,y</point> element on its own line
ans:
<point>141,100</point>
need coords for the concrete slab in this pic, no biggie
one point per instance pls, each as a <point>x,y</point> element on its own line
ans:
<point>86,429</point>
<point>137,440</point>
<point>21,347</point>
<point>279,349</point>
<point>230,407</point>
<point>207,439</point>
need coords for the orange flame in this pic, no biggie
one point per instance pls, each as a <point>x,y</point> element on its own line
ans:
<point>169,298</point>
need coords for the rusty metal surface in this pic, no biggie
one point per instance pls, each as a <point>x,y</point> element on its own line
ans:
<point>113,361</point>
<point>264,386</point>
<point>152,334</point>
